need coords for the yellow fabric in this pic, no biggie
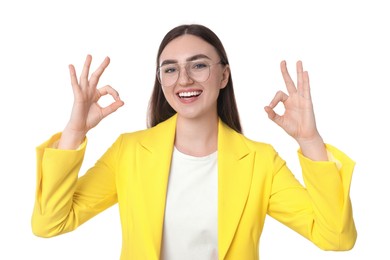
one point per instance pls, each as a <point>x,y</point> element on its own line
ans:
<point>252,181</point>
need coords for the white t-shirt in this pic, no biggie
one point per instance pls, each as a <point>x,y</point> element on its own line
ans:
<point>191,212</point>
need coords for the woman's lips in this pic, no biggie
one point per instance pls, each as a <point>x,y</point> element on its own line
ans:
<point>189,96</point>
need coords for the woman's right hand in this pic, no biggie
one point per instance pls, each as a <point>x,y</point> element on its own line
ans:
<point>86,112</point>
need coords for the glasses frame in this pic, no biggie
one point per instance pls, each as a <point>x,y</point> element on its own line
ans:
<point>180,65</point>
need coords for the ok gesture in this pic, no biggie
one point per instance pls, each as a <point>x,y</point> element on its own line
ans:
<point>86,112</point>
<point>298,119</point>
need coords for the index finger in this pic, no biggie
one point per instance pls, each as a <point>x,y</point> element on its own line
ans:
<point>99,71</point>
<point>73,78</point>
<point>85,72</point>
<point>287,79</point>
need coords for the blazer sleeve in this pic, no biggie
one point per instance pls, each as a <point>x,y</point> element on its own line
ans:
<point>63,201</point>
<point>321,210</point>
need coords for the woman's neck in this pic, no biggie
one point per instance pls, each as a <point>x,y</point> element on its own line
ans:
<point>197,137</point>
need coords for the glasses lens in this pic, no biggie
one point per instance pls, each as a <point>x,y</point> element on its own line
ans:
<point>168,74</point>
<point>198,71</point>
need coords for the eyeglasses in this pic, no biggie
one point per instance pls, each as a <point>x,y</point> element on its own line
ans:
<point>198,70</point>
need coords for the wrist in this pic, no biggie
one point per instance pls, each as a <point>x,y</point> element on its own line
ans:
<point>313,148</point>
<point>71,139</point>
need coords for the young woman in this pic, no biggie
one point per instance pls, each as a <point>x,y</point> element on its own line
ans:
<point>191,186</point>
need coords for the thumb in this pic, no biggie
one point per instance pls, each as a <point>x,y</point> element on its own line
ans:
<point>277,119</point>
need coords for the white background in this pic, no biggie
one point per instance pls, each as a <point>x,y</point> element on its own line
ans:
<point>343,44</point>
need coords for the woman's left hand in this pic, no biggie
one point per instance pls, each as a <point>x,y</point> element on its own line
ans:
<point>298,119</point>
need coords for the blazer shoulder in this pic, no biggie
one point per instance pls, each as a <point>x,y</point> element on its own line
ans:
<point>127,136</point>
<point>153,136</point>
<point>229,138</point>
<point>132,138</point>
<point>262,147</point>
<point>257,146</point>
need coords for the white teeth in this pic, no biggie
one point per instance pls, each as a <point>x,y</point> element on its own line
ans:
<point>189,94</point>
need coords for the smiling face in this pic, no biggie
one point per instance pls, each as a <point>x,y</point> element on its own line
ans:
<point>192,95</point>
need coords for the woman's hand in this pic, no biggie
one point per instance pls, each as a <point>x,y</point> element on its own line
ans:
<point>86,112</point>
<point>298,119</point>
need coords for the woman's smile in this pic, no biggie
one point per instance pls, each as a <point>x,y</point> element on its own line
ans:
<point>189,96</point>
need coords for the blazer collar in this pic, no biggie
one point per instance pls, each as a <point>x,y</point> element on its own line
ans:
<point>154,154</point>
<point>235,167</point>
<point>235,162</point>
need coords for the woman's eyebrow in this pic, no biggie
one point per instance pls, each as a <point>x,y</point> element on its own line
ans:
<point>197,57</point>
<point>165,62</point>
<point>192,58</point>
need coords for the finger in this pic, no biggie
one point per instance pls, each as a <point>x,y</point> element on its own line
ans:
<point>112,107</point>
<point>287,79</point>
<point>299,77</point>
<point>280,96</point>
<point>108,90</point>
<point>73,79</point>
<point>85,72</point>
<point>273,115</point>
<point>306,85</point>
<point>99,71</point>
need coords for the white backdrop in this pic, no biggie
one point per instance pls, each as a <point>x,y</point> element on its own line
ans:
<point>343,44</point>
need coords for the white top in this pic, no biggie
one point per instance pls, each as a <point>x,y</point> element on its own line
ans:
<point>191,212</point>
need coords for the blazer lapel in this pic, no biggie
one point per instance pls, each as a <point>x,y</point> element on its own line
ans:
<point>235,166</point>
<point>154,154</point>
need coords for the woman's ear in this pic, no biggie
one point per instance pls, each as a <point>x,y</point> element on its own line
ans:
<point>225,76</point>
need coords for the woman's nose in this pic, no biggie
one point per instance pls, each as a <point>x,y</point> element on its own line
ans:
<point>184,77</point>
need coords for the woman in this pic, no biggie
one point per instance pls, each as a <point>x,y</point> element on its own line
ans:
<point>191,186</point>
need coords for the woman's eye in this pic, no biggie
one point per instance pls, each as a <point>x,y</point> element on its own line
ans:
<point>169,70</point>
<point>199,65</point>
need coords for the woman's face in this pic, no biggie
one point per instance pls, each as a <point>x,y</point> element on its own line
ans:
<point>192,76</point>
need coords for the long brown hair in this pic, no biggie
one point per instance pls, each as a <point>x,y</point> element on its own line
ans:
<point>159,110</point>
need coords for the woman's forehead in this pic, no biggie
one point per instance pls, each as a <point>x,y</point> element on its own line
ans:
<point>186,46</point>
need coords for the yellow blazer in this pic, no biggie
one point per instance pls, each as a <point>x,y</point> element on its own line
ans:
<point>252,181</point>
